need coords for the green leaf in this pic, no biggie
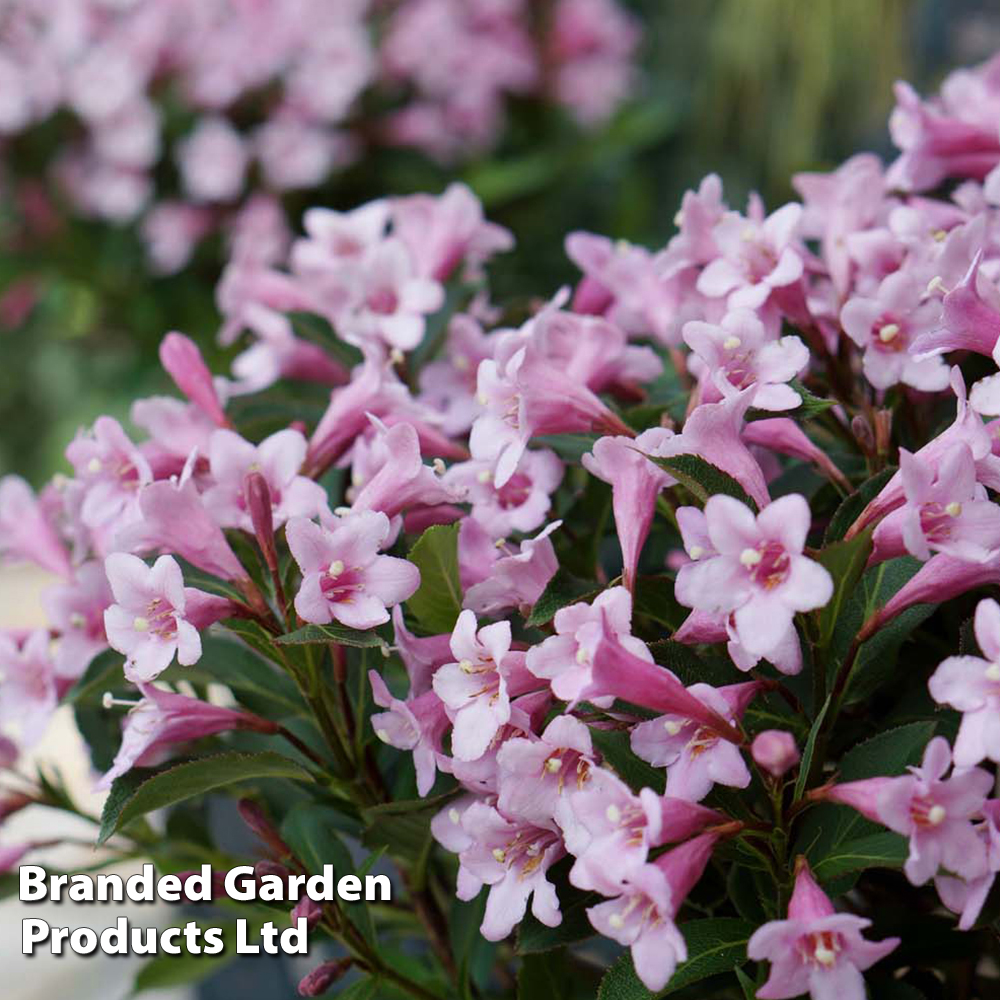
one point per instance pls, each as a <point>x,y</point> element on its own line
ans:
<point>703,479</point>
<point>322,634</point>
<point>845,561</point>
<point>543,977</point>
<point>810,749</point>
<point>887,754</point>
<point>849,509</point>
<point>617,752</point>
<point>811,405</point>
<point>130,798</point>
<point>654,598</point>
<point>438,601</point>
<point>876,850</point>
<point>748,986</point>
<point>561,591</point>
<point>714,946</point>
<point>104,672</point>
<point>363,989</point>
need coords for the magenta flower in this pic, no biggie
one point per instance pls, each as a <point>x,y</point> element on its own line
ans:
<point>474,686</point>
<point>946,510</point>
<point>759,574</point>
<point>757,255</point>
<point>278,459</point>
<point>25,531</point>
<point>343,575</point>
<point>512,858</point>
<point>149,621</point>
<point>933,811</point>
<point>635,484</point>
<point>566,658</point>
<point>28,686</point>
<point>816,950</point>
<point>971,685</point>
<point>162,719</point>
<point>886,326</point>
<point>696,757</point>
<point>416,724</point>
<point>739,351</point>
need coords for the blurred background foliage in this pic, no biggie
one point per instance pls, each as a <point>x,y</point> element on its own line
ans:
<point>752,89</point>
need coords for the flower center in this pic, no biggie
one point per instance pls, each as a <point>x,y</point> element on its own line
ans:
<point>383,301</point>
<point>768,564</point>
<point>889,335</point>
<point>927,815</point>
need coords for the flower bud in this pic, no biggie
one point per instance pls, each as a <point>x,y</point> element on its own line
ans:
<point>309,910</point>
<point>317,982</point>
<point>254,817</point>
<point>185,365</point>
<point>265,867</point>
<point>775,751</point>
<point>863,434</point>
<point>258,500</point>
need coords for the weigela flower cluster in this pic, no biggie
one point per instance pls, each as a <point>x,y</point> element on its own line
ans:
<point>282,94</point>
<point>633,573</point>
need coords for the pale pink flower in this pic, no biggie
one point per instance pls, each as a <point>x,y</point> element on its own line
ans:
<point>343,575</point>
<point>25,530</point>
<point>816,950</point>
<point>968,897</point>
<point>212,161</point>
<point>76,609</point>
<point>29,689</point>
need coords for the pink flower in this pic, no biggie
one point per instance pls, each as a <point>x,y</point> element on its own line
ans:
<point>535,773</point>
<point>420,656</point>
<point>76,609</point>
<point>343,575</point>
<point>512,858</point>
<point>212,161</point>
<point>696,758</point>
<point>181,358</point>
<point>334,238</point>
<point>946,510</point>
<point>757,255</point>
<point>971,685</point>
<point>475,685</point>
<point>161,719</point>
<point>642,917</point>
<point>521,503</point>
<point>149,621</point>
<point>816,950</point>
<point>775,751</point>
<point>740,352</point>
<point>785,436</point>
<point>759,574</point>
<point>635,482</point>
<point>278,459</point>
<point>968,897</point>
<point>934,812</point>
<point>886,327</point>
<point>28,686</point>
<point>566,658</point>
<point>25,531</point>
<point>416,724</point>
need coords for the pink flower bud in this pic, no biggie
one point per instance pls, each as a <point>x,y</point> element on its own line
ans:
<point>308,910</point>
<point>775,751</point>
<point>254,817</point>
<point>182,359</point>
<point>317,982</point>
<point>258,501</point>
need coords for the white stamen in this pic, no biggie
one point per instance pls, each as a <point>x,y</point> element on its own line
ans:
<point>499,854</point>
<point>342,511</point>
<point>936,284</point>
<point>696,552</point>
<point>94,466</point>
<point>889,332</point>
<point>336,567</point>
<point>466,666</point>
<point>731,343</point>
<point>77,620</point>
<point>553,764</point>
<point>396,356</point>
<point>483,398</point>
<point>953,509</point>
<point>617,921</point>
<point>672,727</point>
<point>382,735</point>
<point>582,656</point>
<point>750,557</point>
<point>484,475</point>
<point>824,955</point>
<point>439,466</point>
<point>500,543</point>
<point>679,218</point>
<point>937,815</point>
<point>455,816</point>
<point>140,624</point>
<point>461,362</point>
<point>613,813</point>
<point>110,701</point>
<point>939,235</point>
<point>385,649</point>
<point>748,234</point>
<point>993,672</point>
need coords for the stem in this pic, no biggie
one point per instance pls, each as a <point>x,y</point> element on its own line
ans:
<point>303,748</point>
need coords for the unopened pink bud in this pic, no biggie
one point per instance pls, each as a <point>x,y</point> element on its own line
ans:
<point>258,500</point>
<point>183,361</point>
<point>254,817</point>
<point>309,910</point>
<point>317,982</point>
<point>775,751</point>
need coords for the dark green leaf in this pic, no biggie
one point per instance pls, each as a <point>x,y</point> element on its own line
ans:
<point>614,747</point>
<point>438,601</point>
<point>561,591</point>
<point>132,797</point>
<point>543,977</point>
<point>703,479</point>
<point>810,749</point>
<point>714,946</point>
<point>848,511</point>
<point>322,634</point>
<point>534,937</point>
<point>876,850</point>
<point>845,562</point>
<point>811,405</point>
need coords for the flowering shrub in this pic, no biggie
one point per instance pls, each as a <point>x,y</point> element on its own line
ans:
<point>279,94</point>
<point>671,589</point>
